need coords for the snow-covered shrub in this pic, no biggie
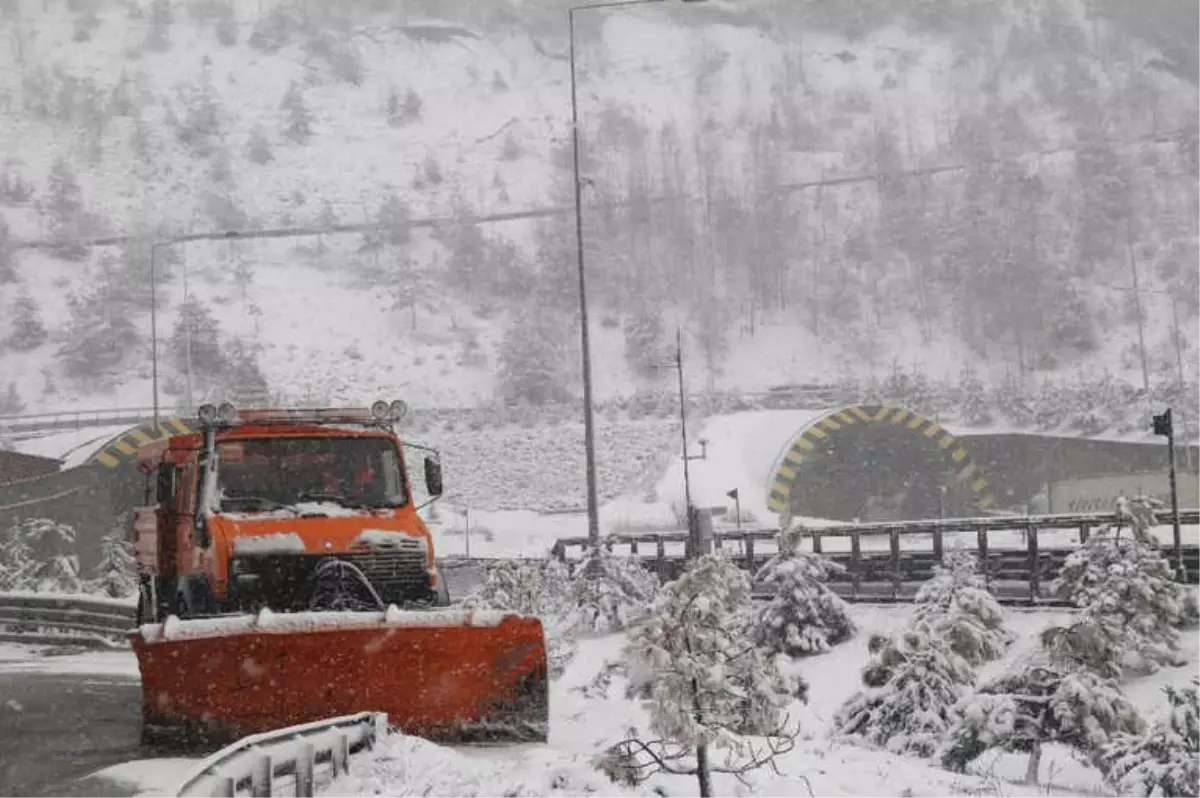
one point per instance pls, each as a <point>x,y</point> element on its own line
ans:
<point>610,593</point>
<point>116,575</point>
<point>1132,583</point>
<point>957,604</point>
<point>22,569</point>
<point>1166,759</point>
<point>805,616</point>
<point>702,685</point>
<point>541,589</point>
<point>914,683</point>
<point>1047,700</point>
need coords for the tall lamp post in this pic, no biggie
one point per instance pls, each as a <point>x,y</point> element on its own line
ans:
<point>589,423</point>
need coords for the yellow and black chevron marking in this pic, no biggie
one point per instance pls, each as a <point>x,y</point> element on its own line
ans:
<point>123,448</point>
<point>925,431</point>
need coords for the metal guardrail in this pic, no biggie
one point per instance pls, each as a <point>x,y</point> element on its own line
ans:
<point>1019,574</point>
<point>50,619</point>
<point>261,762</point>
<point>79,419</point>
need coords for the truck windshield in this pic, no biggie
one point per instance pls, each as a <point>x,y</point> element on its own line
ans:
<point>269,473</point>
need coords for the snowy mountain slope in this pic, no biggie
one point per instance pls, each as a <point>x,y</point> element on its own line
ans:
<point>171,117</point>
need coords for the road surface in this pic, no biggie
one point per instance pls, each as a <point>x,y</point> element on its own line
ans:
<point>56,729</point>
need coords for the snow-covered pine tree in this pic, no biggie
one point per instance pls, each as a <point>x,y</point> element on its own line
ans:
<point>609,592</point>
<point>804,617</point>
<point>299,119</point>
<point>28,331</point>
<point>1166,759</point>
<point>541,589</point>
<point>1050,697</point>
<point>957,604</point>
<point>17,562</point>
<point>115,573</point>
<point>913,685</point>
<point>21,567</point>
<point>1129,580</point>
<point>195,342</point>
<point>703,687</point>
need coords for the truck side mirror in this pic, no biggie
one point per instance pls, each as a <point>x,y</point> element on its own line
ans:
<point>433,477</point>
<point>165,492</point>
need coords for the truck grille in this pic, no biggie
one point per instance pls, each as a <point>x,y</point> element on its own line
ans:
<point>393,572</point>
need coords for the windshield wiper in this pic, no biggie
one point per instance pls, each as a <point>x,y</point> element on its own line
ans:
<point>260,500</point>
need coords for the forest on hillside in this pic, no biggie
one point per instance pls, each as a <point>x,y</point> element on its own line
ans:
<point>1013,212</point>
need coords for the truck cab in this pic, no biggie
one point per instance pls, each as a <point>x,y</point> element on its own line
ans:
<point>290,510</point>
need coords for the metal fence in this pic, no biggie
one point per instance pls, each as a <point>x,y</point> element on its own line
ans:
<point>78,419</point>
<point>286,761</point>
<point>888,561</point>
<point>48,618</point>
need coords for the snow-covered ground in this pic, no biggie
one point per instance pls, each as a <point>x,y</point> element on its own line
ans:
<point>582,727</point>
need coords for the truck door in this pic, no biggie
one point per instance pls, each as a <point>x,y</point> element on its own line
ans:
<point>167,515</point>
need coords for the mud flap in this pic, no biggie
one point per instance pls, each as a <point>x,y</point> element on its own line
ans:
<point>448,676</point>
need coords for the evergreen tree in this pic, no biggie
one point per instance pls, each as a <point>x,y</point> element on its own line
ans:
<point>611,593</point>
<point>200,131</point>
<point>703,687</point>
<point>116,574</point>
<point>8,258</point>
<point>411,110</point>
<point>541,590</point>
<point>644,342</point>
<point>1166,759</point>
<point>1129,583</point>
<point>958,606</point>
<point>10,401</point>
<point>299,119</point>
<point>158,37</point>
<point>804,616</point>
<point>65,205</point>
<point>532,358</point>
<point>258,149</point>
<point>196,342</point>
<point>100,334</point>
<point>246,386</point>
<point>913,685</point>
<point>1048,699</point>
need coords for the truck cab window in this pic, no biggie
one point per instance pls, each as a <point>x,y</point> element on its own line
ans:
<point>165,489</point>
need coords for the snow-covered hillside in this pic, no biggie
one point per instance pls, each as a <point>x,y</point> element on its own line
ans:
<point>164,117</point>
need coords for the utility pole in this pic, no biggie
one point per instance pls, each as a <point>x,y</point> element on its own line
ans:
<point>1163,426</point>
<point>687,477</point>
<point>1137,301</point>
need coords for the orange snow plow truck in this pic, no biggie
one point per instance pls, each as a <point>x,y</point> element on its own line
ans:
<point>286,577</point>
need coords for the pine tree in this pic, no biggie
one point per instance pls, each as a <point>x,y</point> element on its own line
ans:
<point>412,105</point>
<point>644,340</point>
<point>10,401</point>
<point>158,38</point>
<point>541,590</point>
<point>116,573</point>
<point>1166,759</point>
<point>200,131</point>
<point>913,685</point>
<point>702,686</point>
<point>958,606</point>
<point>1048,699</point>
<point>57,570</point>
<point>611,593</point>
<point>196,342</point>
<point>258,149</point>
<point>1128,582</point>
<point>804,617</point>
<point>246,385</point>
<point>299,118</point>
<point>532,358</point>
<point>65,205</point>
<point>8,258</point>
<point>100,334</point>
<point>394,116</point>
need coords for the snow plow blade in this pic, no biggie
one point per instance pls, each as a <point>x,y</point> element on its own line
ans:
<point>453,677</point>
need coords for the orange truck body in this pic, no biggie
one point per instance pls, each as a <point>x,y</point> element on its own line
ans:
<point>254,653</point>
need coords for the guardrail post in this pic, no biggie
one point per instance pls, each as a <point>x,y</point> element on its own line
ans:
<point>855,562</point>
<point>1085,532</point>
<point>225,788</point>
<point>341,755</point>
<point>750,554</point>
<point>305,765</point>
<point>982,542</point>
<point>633,547</point>
<point>938,548</point>
<point>262,783</point>
<point>816,541</point>
<point>1031,533</point>
<point>660,556</point>
<point>894,534</point>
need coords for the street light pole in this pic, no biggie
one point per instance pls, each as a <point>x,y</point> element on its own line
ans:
<point>589,420</point>
<point>154,326</point>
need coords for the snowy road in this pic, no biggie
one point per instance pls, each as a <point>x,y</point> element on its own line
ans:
<point>55,729</point>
